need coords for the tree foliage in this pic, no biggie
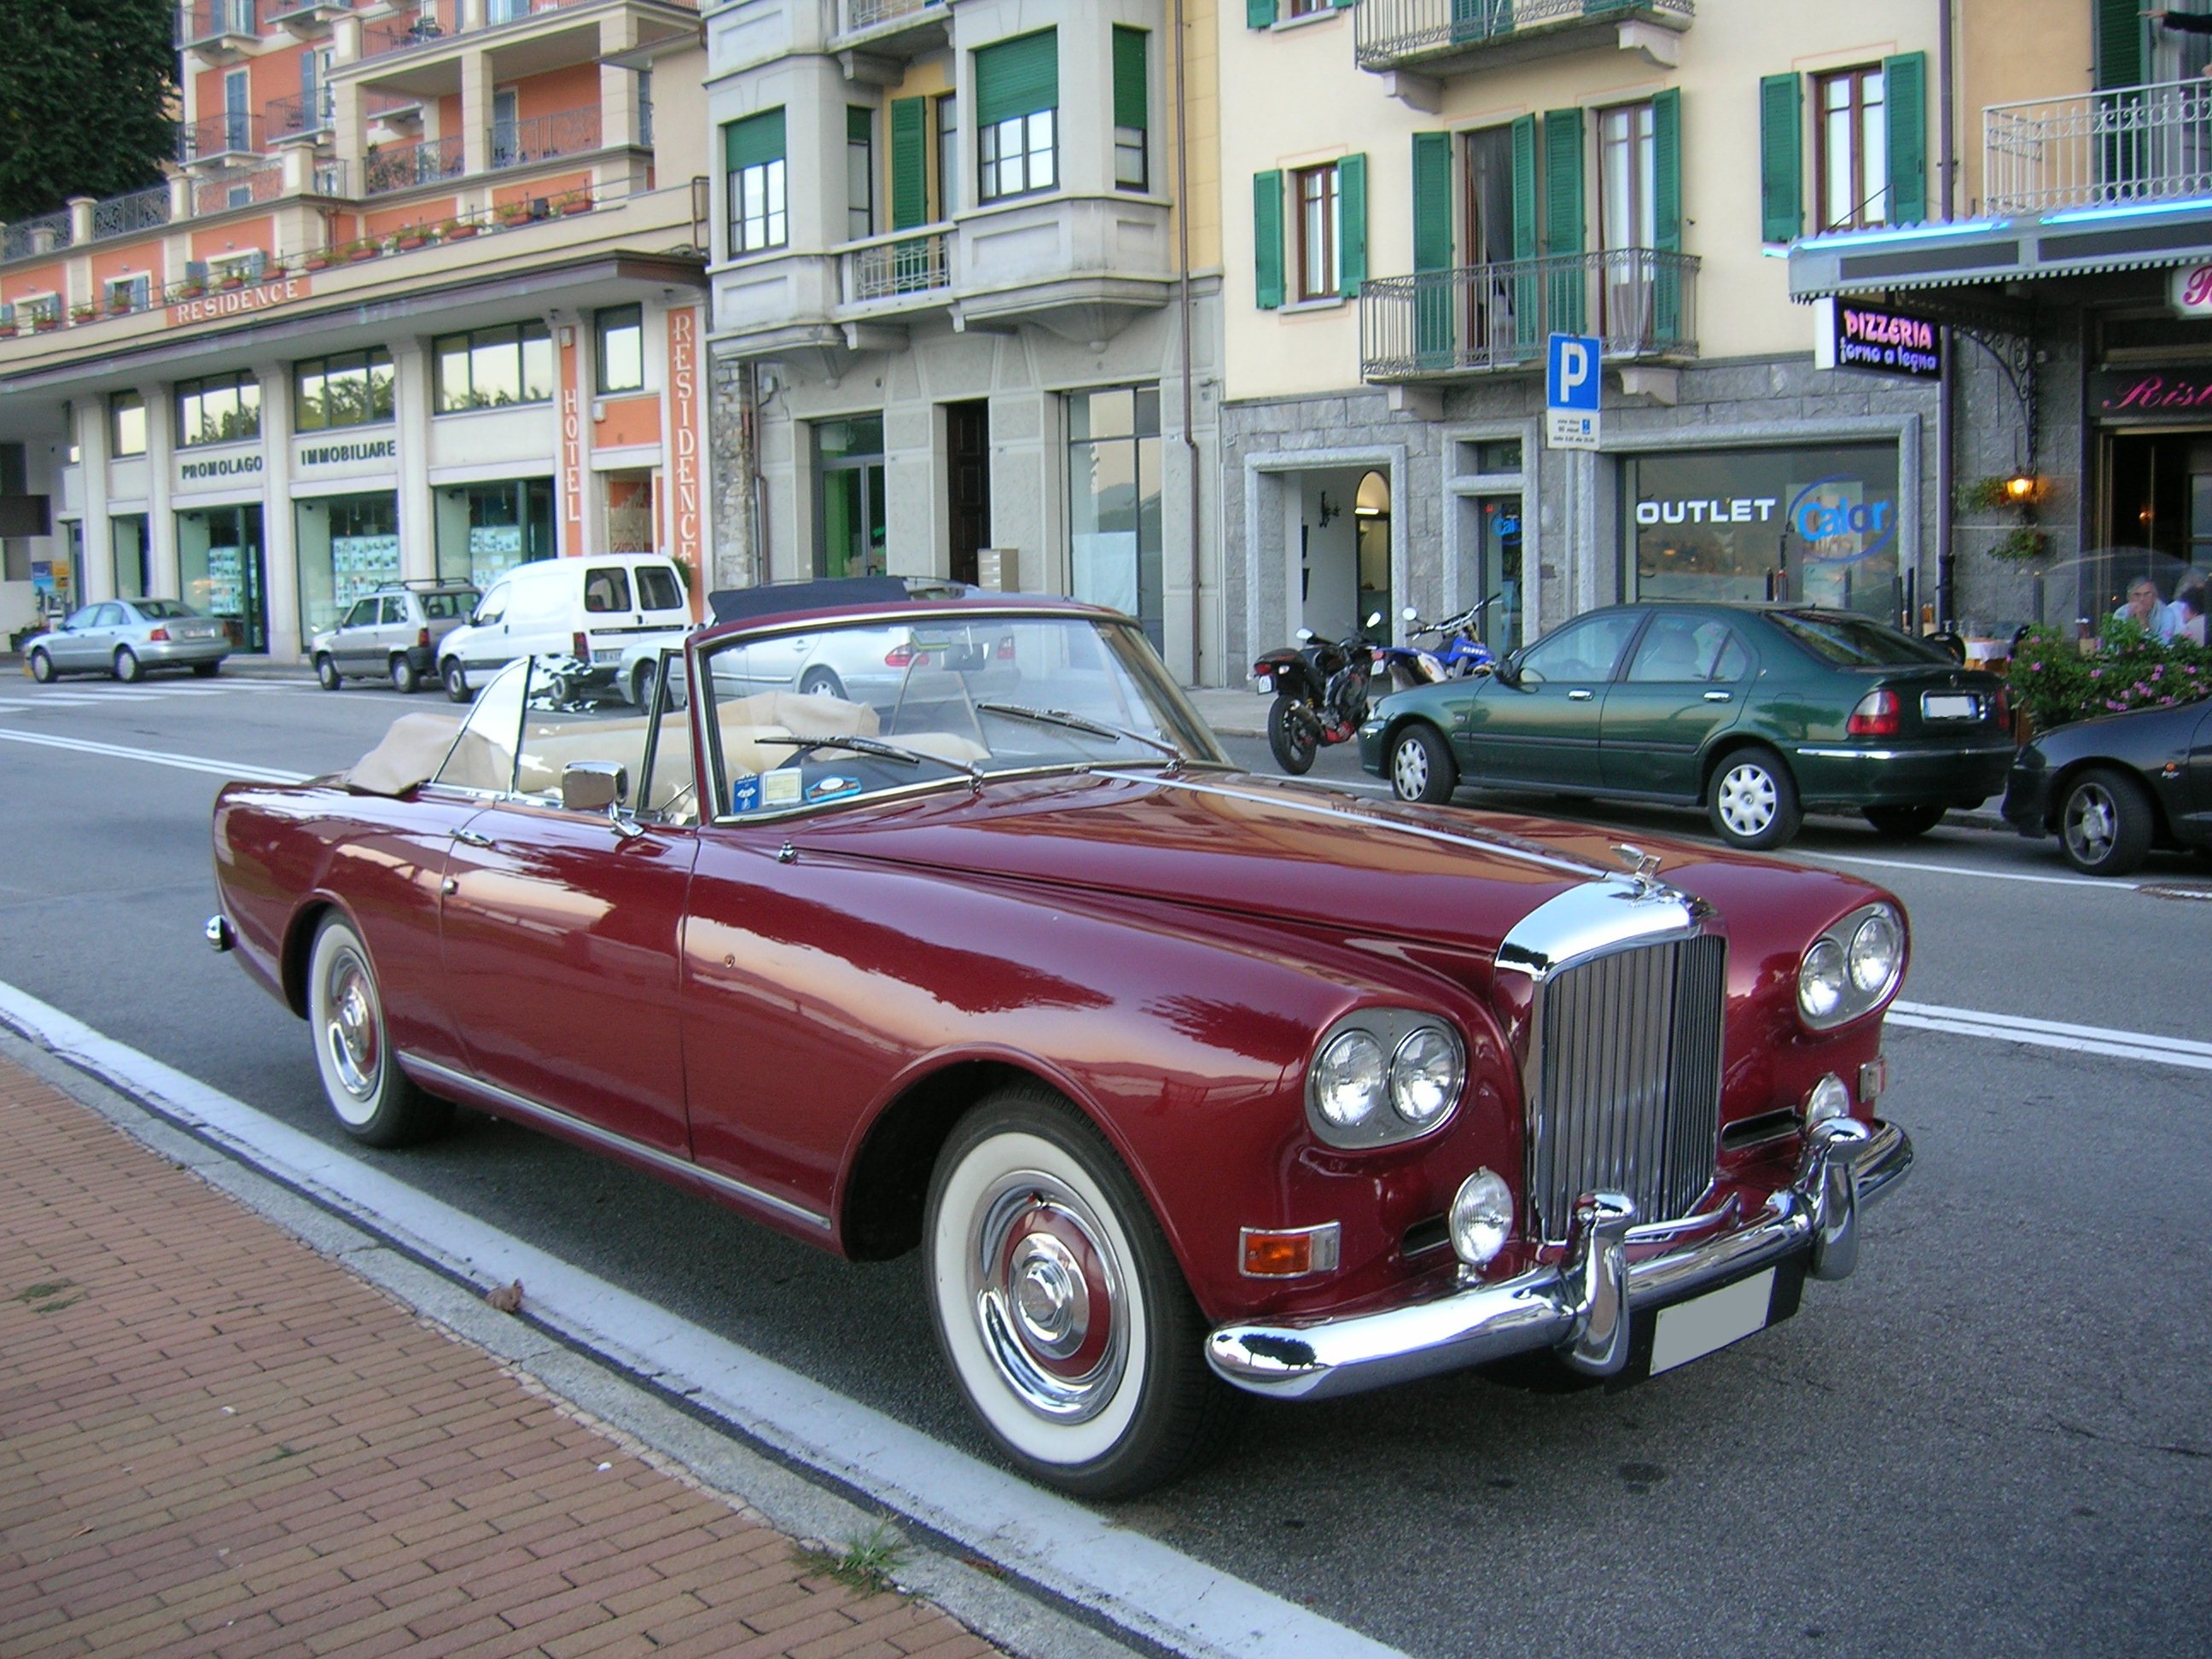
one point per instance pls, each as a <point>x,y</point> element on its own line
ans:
<point>87,97</point>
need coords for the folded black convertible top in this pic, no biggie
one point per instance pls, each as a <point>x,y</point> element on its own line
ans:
<point>743,603</point>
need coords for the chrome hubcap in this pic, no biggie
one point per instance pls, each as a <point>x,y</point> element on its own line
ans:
<point>1047,1299</point>
<point>2090,825</point>
<point>351,1030</point>
<point>1411,771</point>
<point>1748,799</point>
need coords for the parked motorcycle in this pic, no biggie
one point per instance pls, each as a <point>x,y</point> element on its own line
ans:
<point>1462,655</point>
<point>1320,694</point>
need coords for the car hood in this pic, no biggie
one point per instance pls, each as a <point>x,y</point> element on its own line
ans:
<point>1309,855</point>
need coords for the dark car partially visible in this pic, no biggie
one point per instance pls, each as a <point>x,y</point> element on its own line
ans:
<point>2111,789</point>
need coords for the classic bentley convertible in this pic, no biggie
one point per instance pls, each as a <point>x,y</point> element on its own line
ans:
<point>1186,1081</point>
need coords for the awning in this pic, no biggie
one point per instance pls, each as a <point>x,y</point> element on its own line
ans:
<point>2076,242</point>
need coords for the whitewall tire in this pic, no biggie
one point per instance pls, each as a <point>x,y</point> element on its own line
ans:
<point>371,1099</point>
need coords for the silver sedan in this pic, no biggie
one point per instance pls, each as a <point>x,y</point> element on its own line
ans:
<point>126,637</point>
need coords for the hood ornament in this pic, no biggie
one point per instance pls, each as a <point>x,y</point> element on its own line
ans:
<point>1644,865</point>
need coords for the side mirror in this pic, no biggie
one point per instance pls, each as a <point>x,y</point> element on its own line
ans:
<point>1410,615</point>
<point>1305,636</point>
<point>1374,620</point>
<point>593,786</point>
<point>1508,672</point>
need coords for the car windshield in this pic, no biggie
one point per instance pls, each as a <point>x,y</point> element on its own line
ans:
<point>162,610</point>
<point>452,605</point>
<point>1856,641</point>
<point>810,716</point>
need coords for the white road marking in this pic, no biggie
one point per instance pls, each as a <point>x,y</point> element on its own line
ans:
<point>1967,870</point>
<point>220,768</point>
<point>2053,1034</point>
<point>1139,1583</point>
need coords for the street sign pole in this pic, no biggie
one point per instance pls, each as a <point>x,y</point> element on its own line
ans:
<point>1573,378</point>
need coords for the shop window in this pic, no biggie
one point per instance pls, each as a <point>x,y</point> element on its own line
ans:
<point>126,426</point>
<point>492,367</point>
<point>219,408</point>
<point>351,389</point>
<point>219,573</point>
<point>1114,501</point>
<point>348,546</point>
<point>1851,160</point>
<point>848,458</point>
<point>483,531</point>
<point>618,349</point>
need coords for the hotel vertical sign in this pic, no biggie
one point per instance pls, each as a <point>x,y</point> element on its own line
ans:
<point>572,445</point>
<point>685,486</point>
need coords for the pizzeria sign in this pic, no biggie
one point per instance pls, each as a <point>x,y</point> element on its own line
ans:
<point>1877,340</point>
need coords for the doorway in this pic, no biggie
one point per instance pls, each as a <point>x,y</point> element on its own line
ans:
<point>1492,330</point>
<point>1337,588</point>
<point>220,570</point>
<point>848,458</point>
<point>968,484</point>
<point>1497,568</point>
<point>2156,517</point>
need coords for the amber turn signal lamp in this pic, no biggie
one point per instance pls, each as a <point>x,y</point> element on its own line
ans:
<point>1291,1253</point>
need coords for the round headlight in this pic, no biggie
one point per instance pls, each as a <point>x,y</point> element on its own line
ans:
<point>1877,950</point>
<point>1425,1075</point>
<point>1348,1079</point>
<point>1820,980</point>
<point>1481,1218</point>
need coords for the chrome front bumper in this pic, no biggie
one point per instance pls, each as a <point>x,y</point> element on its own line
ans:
<point>1584,1306</point>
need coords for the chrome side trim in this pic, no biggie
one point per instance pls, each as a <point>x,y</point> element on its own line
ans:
<point>506,1101</point>
<point>218,932</point>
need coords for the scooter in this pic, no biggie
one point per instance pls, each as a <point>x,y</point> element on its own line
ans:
<point>1320,694</point>
<point>1462,656</point>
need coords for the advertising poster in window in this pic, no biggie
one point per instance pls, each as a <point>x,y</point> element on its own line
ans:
<point>1815,526</point>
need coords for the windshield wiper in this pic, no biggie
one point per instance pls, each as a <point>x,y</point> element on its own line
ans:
<point>861,745</point>
<point>1080,723</point>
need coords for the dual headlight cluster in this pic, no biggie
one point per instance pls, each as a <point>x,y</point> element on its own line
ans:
<point>1851,967</point>
<point>1384,1075</point>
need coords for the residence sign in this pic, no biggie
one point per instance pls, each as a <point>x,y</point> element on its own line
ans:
<point>1849,335</point>
<point>238,301</point>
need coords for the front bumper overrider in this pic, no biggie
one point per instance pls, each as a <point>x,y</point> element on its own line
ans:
<point>1584,1305</point>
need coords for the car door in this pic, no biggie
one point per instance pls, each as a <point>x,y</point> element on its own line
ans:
<point>74,647</point>
<point>1684,683</point>
<point>392,635</point>
<point>483,645</point>
<point>1540,727</point>
<point>560,930</point>
<point>356,637</point>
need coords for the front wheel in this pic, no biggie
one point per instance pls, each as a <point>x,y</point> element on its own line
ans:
<point>327,673</point>
<point>128,668</point>
<point>1060,1307</point>
<point>2105,825</point>
<point>404,680</point>
<point>1904,822</point>
<point>1293,735</point>
<point>42,668</point>
<point>1754,800</point>
<point>374,1100</point>
<point>1421,766</point>
<point>457,680</point>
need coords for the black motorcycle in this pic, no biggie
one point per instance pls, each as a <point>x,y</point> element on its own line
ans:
<point>1320,694</point>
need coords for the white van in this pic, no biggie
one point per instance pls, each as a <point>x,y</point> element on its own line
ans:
<point>593,609</point>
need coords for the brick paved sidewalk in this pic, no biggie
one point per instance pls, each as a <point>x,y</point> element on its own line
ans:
<point>213,1440</point>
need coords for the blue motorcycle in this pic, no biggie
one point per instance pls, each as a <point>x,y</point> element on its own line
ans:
<point>1462,655</point>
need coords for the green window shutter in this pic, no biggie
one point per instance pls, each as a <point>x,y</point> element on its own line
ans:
<point>909,162</point>
<point>1342,5</point>
<point>1267,238</point>
<point>1524,188</point>
<point>860,124</point>
<point>1563,181</point>
<point>1781,159</point>
<point>1351,225</point>
<point>1259,14</point>
<point>1130,100</point>
<point>756,139</point>
<point>1904,113</point>
<point>1432,201</point>
<point>1667,170</point>
<point>2119,43</point>
<point>1017,77</point>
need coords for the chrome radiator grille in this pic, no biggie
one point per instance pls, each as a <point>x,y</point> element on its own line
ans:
<point>1627,1087</point>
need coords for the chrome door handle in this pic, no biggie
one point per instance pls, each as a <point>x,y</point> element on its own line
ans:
<point>1718,696</point>
<point>449,886</point>
<point>1580,697</point>
<point>470,837</point>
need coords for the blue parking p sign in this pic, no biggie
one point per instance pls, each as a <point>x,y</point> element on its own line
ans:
<point>1573,378</point>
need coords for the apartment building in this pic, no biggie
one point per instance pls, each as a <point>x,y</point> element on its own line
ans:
<point>424,296</point>
<point>2074,270</point>
<point>1421,192</point>
<point>966,297</point>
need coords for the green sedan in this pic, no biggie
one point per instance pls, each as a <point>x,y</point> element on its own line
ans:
<point>1757,712</point>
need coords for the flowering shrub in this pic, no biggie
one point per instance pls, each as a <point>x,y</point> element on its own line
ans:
<point>2054,683</point>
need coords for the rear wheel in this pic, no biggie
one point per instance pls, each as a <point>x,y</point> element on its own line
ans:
<point>1904,822</point>
<point>2104,824</point>
<point>374,1100</point>
<point>327,673</point>
<point>1421,766</point>
<point>208,671</point>
<point>822,683</point>
<point>404,679</point>
<point>457,680</point>
<point>128,668</point>
<point>1060,1307</point>
<point>1752,803</point>
<point>1292,735</point>
<point>42,668</point>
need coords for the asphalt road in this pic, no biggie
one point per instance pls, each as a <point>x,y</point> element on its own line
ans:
<point>1992,1438</point>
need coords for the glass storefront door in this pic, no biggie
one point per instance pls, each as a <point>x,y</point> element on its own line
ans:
<point>485,529</point>
<point>131,546</point>
<point>349,545</point>
<point>849,460</point>
<point>1497,569</point>
<point>219,568</point>
<point>1113,501</point>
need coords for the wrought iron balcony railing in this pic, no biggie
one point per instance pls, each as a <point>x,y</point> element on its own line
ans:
<point>402,167</point>
<point>2125,144</point>
<point>299,115</point>
<point>860,15</point>
<point>233,132</point>
<point>1482,318</point>
<point>433,20</point>
<point>214,22</point>
<point>543,137</point>
<point>48,234</point>
<point>1388,34</point>
<point>124,215</point>
<point>235,187</point>
<point>905,265</point>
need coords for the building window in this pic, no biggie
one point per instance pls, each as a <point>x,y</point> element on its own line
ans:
<point>1851,156</point>
<point>618,349</point>
<point>848,466</point>
<point>351,389</point>
<point>220,409</point>
<point>948,158</point>
<point>1017,115</point>
<point>860,173</point>
<point>1132,165</point>
<point>752,154</point>
<point>485,529</point>
<point>492,368</point>
<point>126,426</point>
<point>1627,158</point>
<point>129,293</point>
<point>1308,7</point>
<point>645,108</point>
<point>1317,234</point>
<point>1114,501</point>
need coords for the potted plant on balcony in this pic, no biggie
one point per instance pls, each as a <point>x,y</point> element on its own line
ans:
<point>367,248</point>
<point>83,313</point>
<point>575,202</point>
<point>191,289</point>
<point>316,260</point>
<point>119,303</point>
<point>453,229</point>
<point>410,238</point>
<point>512,213</point>
<point>231,279</point>
<point>46,321</point>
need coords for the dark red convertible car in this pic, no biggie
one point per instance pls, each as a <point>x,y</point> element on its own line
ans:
<point>1186,1081</point>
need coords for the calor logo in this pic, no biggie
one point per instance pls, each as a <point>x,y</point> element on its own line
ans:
<point>1821,511</point>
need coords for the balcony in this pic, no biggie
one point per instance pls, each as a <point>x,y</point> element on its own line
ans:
<point>545,137</point>
<point>216,28</point>
<point>48,234</point>
<point>876,38</point>
<point>1486,320</point>
<point>219,138</point>
<point>306,19</point>
<point>894,273</point>
<point>402,32</point>
<point>1434,39</point>
<point>225,188</point>
<point>2121,147</point>
<point>127,216</point>
<point>388,168</point>
<point>302,116</point>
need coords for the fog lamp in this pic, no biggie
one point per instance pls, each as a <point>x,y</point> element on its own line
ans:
<point>1829,1100</point>
<point>1481,1218</point>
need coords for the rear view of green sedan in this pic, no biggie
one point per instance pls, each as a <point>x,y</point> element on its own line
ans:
<point>1759,714</point>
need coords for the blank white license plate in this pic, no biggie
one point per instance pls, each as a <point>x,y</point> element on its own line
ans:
<point>1691,1330</point>
<point>1937,706</point>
